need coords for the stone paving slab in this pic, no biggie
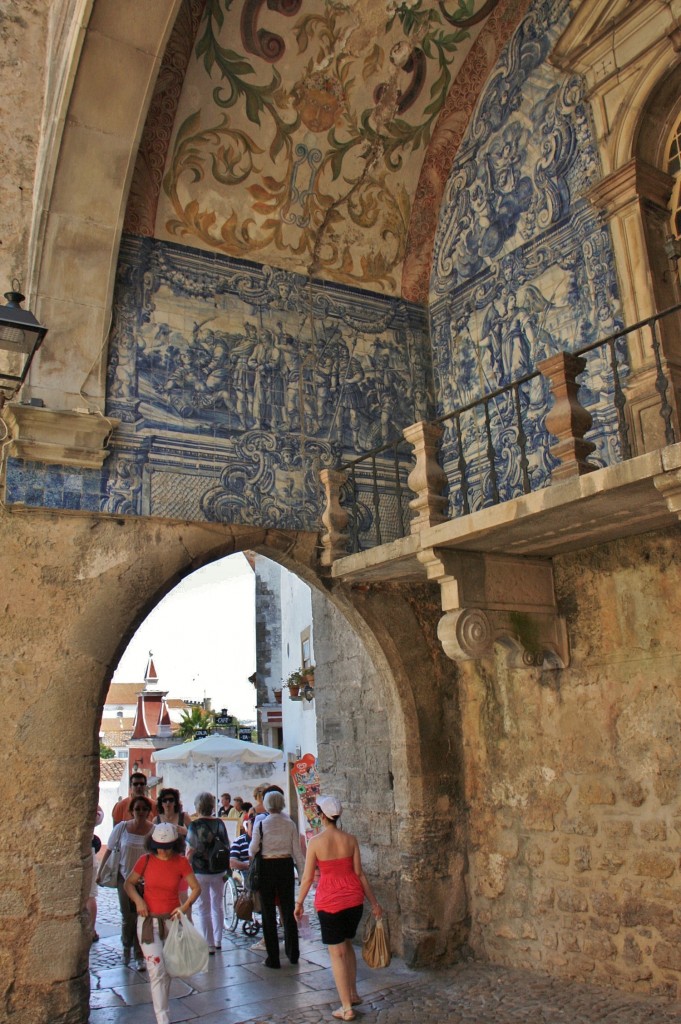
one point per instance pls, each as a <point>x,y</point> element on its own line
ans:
<point>482,994</point>
<point>239,989</point>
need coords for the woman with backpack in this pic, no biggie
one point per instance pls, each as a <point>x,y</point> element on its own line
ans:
<point>208,854</point>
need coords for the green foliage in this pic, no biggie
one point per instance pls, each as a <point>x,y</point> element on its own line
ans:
<point>300,677</point>
<point>193,721</point>
<point>295,679</point>
<point>106,753</point>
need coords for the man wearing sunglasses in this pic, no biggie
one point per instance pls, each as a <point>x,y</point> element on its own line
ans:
<point>138,787</point>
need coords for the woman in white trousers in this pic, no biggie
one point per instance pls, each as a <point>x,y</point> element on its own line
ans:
<point>162,869</point>
<point>208,854</point>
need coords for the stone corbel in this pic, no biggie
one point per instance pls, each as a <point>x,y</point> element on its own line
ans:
<point>59,438</point>
<point>334,537</point>
<point>669,486</point>
<point>488,599</point>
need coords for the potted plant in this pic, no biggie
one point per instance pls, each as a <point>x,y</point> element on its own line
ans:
<point>307,675</point>
<point>293,684</point>
<point>277,696</point>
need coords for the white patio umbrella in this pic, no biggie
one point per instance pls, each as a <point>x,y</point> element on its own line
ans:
<point>217,750</point>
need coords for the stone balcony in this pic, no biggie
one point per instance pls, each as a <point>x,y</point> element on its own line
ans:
<point>494,565</point>
<point>631,497</point>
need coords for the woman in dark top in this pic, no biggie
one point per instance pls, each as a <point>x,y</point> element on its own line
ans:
<point>205,837</point>
<point>169,809</point>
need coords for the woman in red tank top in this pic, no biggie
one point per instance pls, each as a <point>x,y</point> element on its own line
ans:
<point>165,870</point>
<point>339,900</point>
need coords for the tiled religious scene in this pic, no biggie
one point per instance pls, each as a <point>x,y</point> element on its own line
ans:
<point>235,384</point>
<point>523,265</point>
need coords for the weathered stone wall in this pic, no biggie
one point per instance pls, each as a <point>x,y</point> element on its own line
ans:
<point>267,628</point>
<point>573,781</point>
<point>75,588</point>
<point>388,729</point>
<point>23,40</point>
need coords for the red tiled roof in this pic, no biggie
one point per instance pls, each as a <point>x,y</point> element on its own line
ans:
<point>110,723</point>
<point>123,693</point>
<point>112,769</point>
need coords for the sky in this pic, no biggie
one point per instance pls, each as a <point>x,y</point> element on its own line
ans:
<point>202,635</point>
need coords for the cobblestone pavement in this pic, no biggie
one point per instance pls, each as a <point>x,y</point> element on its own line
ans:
<point>238,988</point>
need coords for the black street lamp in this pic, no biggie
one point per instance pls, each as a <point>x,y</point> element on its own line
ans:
<point>20,338</point>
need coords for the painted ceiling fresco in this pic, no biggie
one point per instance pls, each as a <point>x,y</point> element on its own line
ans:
<point>302,127</point>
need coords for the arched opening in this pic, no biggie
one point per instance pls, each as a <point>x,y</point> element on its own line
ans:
<point>385,693</point>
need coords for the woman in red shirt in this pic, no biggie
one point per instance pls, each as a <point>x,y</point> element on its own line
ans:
<point>164,870</point>
<point>339,899</point>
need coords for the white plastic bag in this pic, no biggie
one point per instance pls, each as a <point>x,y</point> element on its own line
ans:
<point>185,951</point>
<point>304,927</point>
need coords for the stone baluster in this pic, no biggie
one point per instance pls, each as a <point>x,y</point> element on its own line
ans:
<point>567,420</point>
<point>427,478</point>
<point>334,539</point>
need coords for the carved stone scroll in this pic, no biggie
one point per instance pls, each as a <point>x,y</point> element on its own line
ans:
<point>427,478</point>
<point>488,599</point>
<point>567,420</point>
<point>334,538</point>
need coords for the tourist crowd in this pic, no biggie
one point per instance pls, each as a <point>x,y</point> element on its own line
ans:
<point>170,862</point>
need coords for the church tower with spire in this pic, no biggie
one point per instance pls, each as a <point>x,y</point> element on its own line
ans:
<point>152,729</point>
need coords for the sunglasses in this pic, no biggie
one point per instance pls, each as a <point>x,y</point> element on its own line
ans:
<point>168,800</point>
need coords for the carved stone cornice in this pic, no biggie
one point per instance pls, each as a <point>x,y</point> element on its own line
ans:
<point>61,438</point>
<point>488,599</point>
<point>635,181</point>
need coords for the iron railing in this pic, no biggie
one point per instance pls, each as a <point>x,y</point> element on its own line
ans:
<point>377,495</point>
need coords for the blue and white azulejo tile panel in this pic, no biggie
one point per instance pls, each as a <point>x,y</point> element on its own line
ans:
<point>234,384</point>
<point>523,268</point>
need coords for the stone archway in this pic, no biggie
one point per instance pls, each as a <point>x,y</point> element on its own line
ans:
<point>79,587</point>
